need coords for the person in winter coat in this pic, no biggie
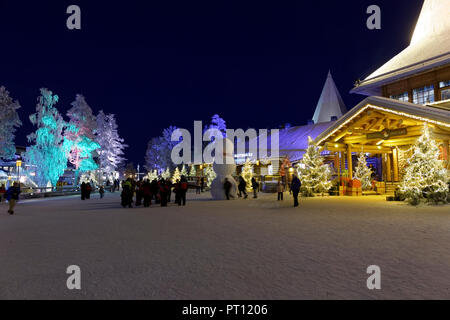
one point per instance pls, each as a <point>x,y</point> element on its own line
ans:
<point>88,190</point>
<point>127,193</point>
<point>295,187</point>
<point>183,187</point>
<point>12,195</point>
<point>227,186</point>
<point>101,191</point>
<point>197,186</point>
<point>83,191</point>
<point>280,190</point>
<point>139,193</point>
<point>255,186</point>
<point>2,192</point>
<point>241,187</point>
<point>202,184</point>
<point>163,191</point>
<point>147,193</point>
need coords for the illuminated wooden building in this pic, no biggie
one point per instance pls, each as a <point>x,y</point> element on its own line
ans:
<point>410,90</point>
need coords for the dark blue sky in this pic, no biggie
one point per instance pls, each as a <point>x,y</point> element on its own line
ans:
<point>158,63</point>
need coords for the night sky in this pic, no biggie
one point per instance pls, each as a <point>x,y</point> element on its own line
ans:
<point>159,63</point>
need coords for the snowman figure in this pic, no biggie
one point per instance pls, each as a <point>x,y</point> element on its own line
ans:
<point>224,171</point>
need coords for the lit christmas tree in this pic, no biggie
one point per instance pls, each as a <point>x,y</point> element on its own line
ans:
<point>210,175</point>
<point>9,121</point>
<point>176,175</point>
<point>152,175</point>
<point>425,177</point>
<point>247,174</point>
<point>363,173</point>
<point>192,172</point>
<point>49,153</point>
<point>184,171</point>
<point>166,174</point>
<point>313,173</point>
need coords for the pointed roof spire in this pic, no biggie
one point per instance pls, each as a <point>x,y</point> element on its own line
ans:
<point>330,103</point>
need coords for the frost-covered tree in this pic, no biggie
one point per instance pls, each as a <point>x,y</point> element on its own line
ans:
<point>110,154</point>
<point>81,132</point>
<point>247,174</point>
<point>176,175</point>
<point>166,174</point>
<point>9,121</point>
<point>313,173</point>
<point>363,173</point>
<point>425,177</point>
<point>217,123</point>
<point>210,175</point>
<point>50,149</point>
<point>159,151</point>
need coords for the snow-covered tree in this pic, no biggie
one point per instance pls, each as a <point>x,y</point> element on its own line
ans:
<point>81,132</point>
<point>184,171</point>
<point>363,173</point>
<point>176,175</point>
<point>313,173</point>
<point>9,121</point>
<point>50,149</point>
<point>152,175</point>
<point>247,174</point>
<point>425,177</point>
<point>110,154</point>
<point>192,172</point>
<point>159,151</point>
<point>210,175</point>
<point>166,174</point>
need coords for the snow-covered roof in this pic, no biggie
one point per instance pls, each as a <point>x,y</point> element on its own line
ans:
<point>330,103</point>
<point>429,48</point>
<point>294,141</point>
<point>406,109</point>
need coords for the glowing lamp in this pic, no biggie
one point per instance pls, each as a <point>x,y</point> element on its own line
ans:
<point>291,170</point>
<point>19,163</point>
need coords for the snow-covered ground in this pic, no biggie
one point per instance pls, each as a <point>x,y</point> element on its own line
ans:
<point>244,249</point>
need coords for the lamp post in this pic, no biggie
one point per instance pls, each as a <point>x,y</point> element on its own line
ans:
<point>18,165</point>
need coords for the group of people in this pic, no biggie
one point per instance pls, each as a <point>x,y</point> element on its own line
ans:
<point>144,191</point>
<point>242,186</point>
<point>86,190</point>
<point>11,195</point>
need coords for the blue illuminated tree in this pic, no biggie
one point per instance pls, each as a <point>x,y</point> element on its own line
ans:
<point>50,149</point>
<point>9,121</point>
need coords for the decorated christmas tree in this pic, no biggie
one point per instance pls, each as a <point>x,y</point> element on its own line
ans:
<point>166,174</point>
<point>313,173</point>
<point>363,173</point>
<point>176,175</point>
<point>247,174</point>
<point>152,175</point>
<point>192,172</point>
<point>425,177</point>
<point>184,171</point>
<point>210,175</point>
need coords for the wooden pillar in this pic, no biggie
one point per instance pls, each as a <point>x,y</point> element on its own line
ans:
<point>337,163</point>
<point>342,161</point>
<point>349,161</point>
<point>388,168</point>
<point>445,153</point>
<point>395,163</point>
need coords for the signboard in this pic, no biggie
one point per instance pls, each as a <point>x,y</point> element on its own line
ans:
<point>386,134</point>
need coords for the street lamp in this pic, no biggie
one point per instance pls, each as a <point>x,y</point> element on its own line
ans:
<point>18,165</point>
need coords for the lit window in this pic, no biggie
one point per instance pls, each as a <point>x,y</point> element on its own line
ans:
<point>445,94</point>
<point>444,84</point>
<point>402,97</point>
<point>423,95</point>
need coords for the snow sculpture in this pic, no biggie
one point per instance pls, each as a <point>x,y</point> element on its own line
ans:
<point>224,171</point>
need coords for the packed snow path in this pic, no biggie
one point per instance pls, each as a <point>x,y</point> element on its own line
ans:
<point>244,249</point>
